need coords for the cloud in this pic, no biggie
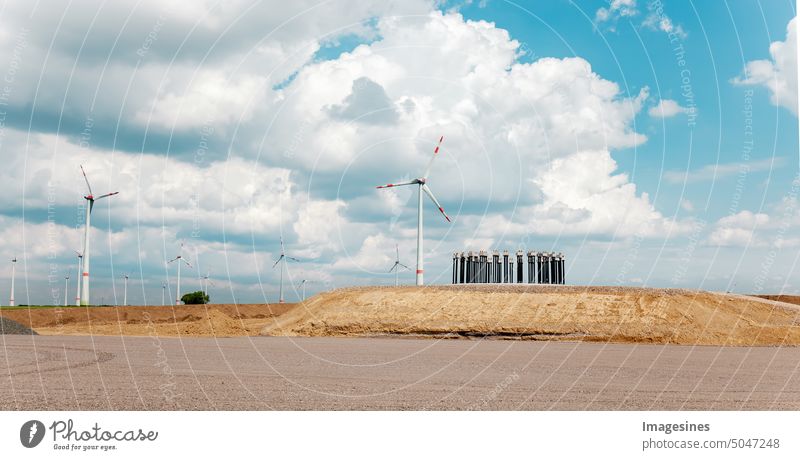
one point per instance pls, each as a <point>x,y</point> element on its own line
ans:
<point>152,73</point>
<point>237,195</point>
<point>779,73</point>
<point>658,20</point>
<point>505,123</point>
<point>582,194</point>
<point>738,229</point>
<point>617,8</point>
<point>261,138</point>
<point>666,108</point>
<point>367,103</point>
<point>722,170</point>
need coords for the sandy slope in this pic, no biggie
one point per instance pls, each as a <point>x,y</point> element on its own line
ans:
<point>215,320</point>
<point>547,312</point>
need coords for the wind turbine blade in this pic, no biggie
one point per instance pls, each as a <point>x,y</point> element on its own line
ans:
<point>106,195</point>
<point>87,181</point>
<point>398,184</point>
<point>405,266</point>
<point>435,153</point>
<point>397,250</point>
<point>173,260</point>
<point>293,259</point>
<point>278,261</point>
<point>393,267</point>
<point>435,201</point>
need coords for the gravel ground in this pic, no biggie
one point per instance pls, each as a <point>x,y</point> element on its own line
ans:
<point>244,373</point>
<point>9,327</point>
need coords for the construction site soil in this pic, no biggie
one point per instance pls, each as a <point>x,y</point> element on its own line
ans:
<point>539,312</point>
<point>224,320</point>
<point>520,312</point>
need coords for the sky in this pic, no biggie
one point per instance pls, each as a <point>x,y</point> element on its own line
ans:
<point>654,143</point>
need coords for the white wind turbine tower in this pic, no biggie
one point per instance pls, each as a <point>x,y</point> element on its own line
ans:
<point>13,275</point>
<point>422,186</point>
<point>205,281</point>
<point>283,258</point>
<point>90,198</point>
<point>80,268</point>
<point>163,294</point>
<point>125,295</point>
<point>396,267</point>
<point>180,260</point>
<point>66,287</point>
<point>302,285</point>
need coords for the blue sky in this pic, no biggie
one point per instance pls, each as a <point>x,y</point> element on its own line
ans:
<point>229,125</point>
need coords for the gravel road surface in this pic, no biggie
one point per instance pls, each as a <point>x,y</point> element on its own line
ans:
<point>135,373</point>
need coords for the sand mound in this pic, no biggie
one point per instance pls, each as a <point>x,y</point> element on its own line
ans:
<point>214,323</point>
<point>546,313</point>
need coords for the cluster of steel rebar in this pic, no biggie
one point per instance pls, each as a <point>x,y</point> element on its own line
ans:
<point>483,267</point>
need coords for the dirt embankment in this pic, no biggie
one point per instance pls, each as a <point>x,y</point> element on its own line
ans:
<point>615,314</point>
<point>187,320</point>
<point>795,299</point>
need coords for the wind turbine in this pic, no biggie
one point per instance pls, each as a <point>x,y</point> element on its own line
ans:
<point>180,260</point>
<point>163,294</point>
<point>205,281</point>
<point>396,267</point>
<point>302,284</point>
<point>125,295</point>
<point>80,267</point>
<point>283,258</point>
<point>66,287</point>
<point>422,186</point>
<point>13,275</point>
<point>90,198</point>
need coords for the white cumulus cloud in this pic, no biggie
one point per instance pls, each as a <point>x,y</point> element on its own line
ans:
<point>779,73</point>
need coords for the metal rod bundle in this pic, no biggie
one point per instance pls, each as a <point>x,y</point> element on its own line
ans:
<point>490,267</point>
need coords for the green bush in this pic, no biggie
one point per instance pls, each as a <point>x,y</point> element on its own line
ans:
<point>195,298</point>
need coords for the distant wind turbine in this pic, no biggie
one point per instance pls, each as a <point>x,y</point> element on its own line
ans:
<point>125,295</point>
<point>163,294</point>
<point>90,198</point>
<point>302,285</point>
<point>13,275</point>
<point>283,258</point>
<point>78,279</point>
<point>422,186</point>
<point>66,287</point>
<point>396,267</point>
<point>205,281</point>
<point>180,261</point>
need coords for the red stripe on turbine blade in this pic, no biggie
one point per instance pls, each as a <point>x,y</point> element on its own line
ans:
<point>436,151</point>
<point>441,139</point>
